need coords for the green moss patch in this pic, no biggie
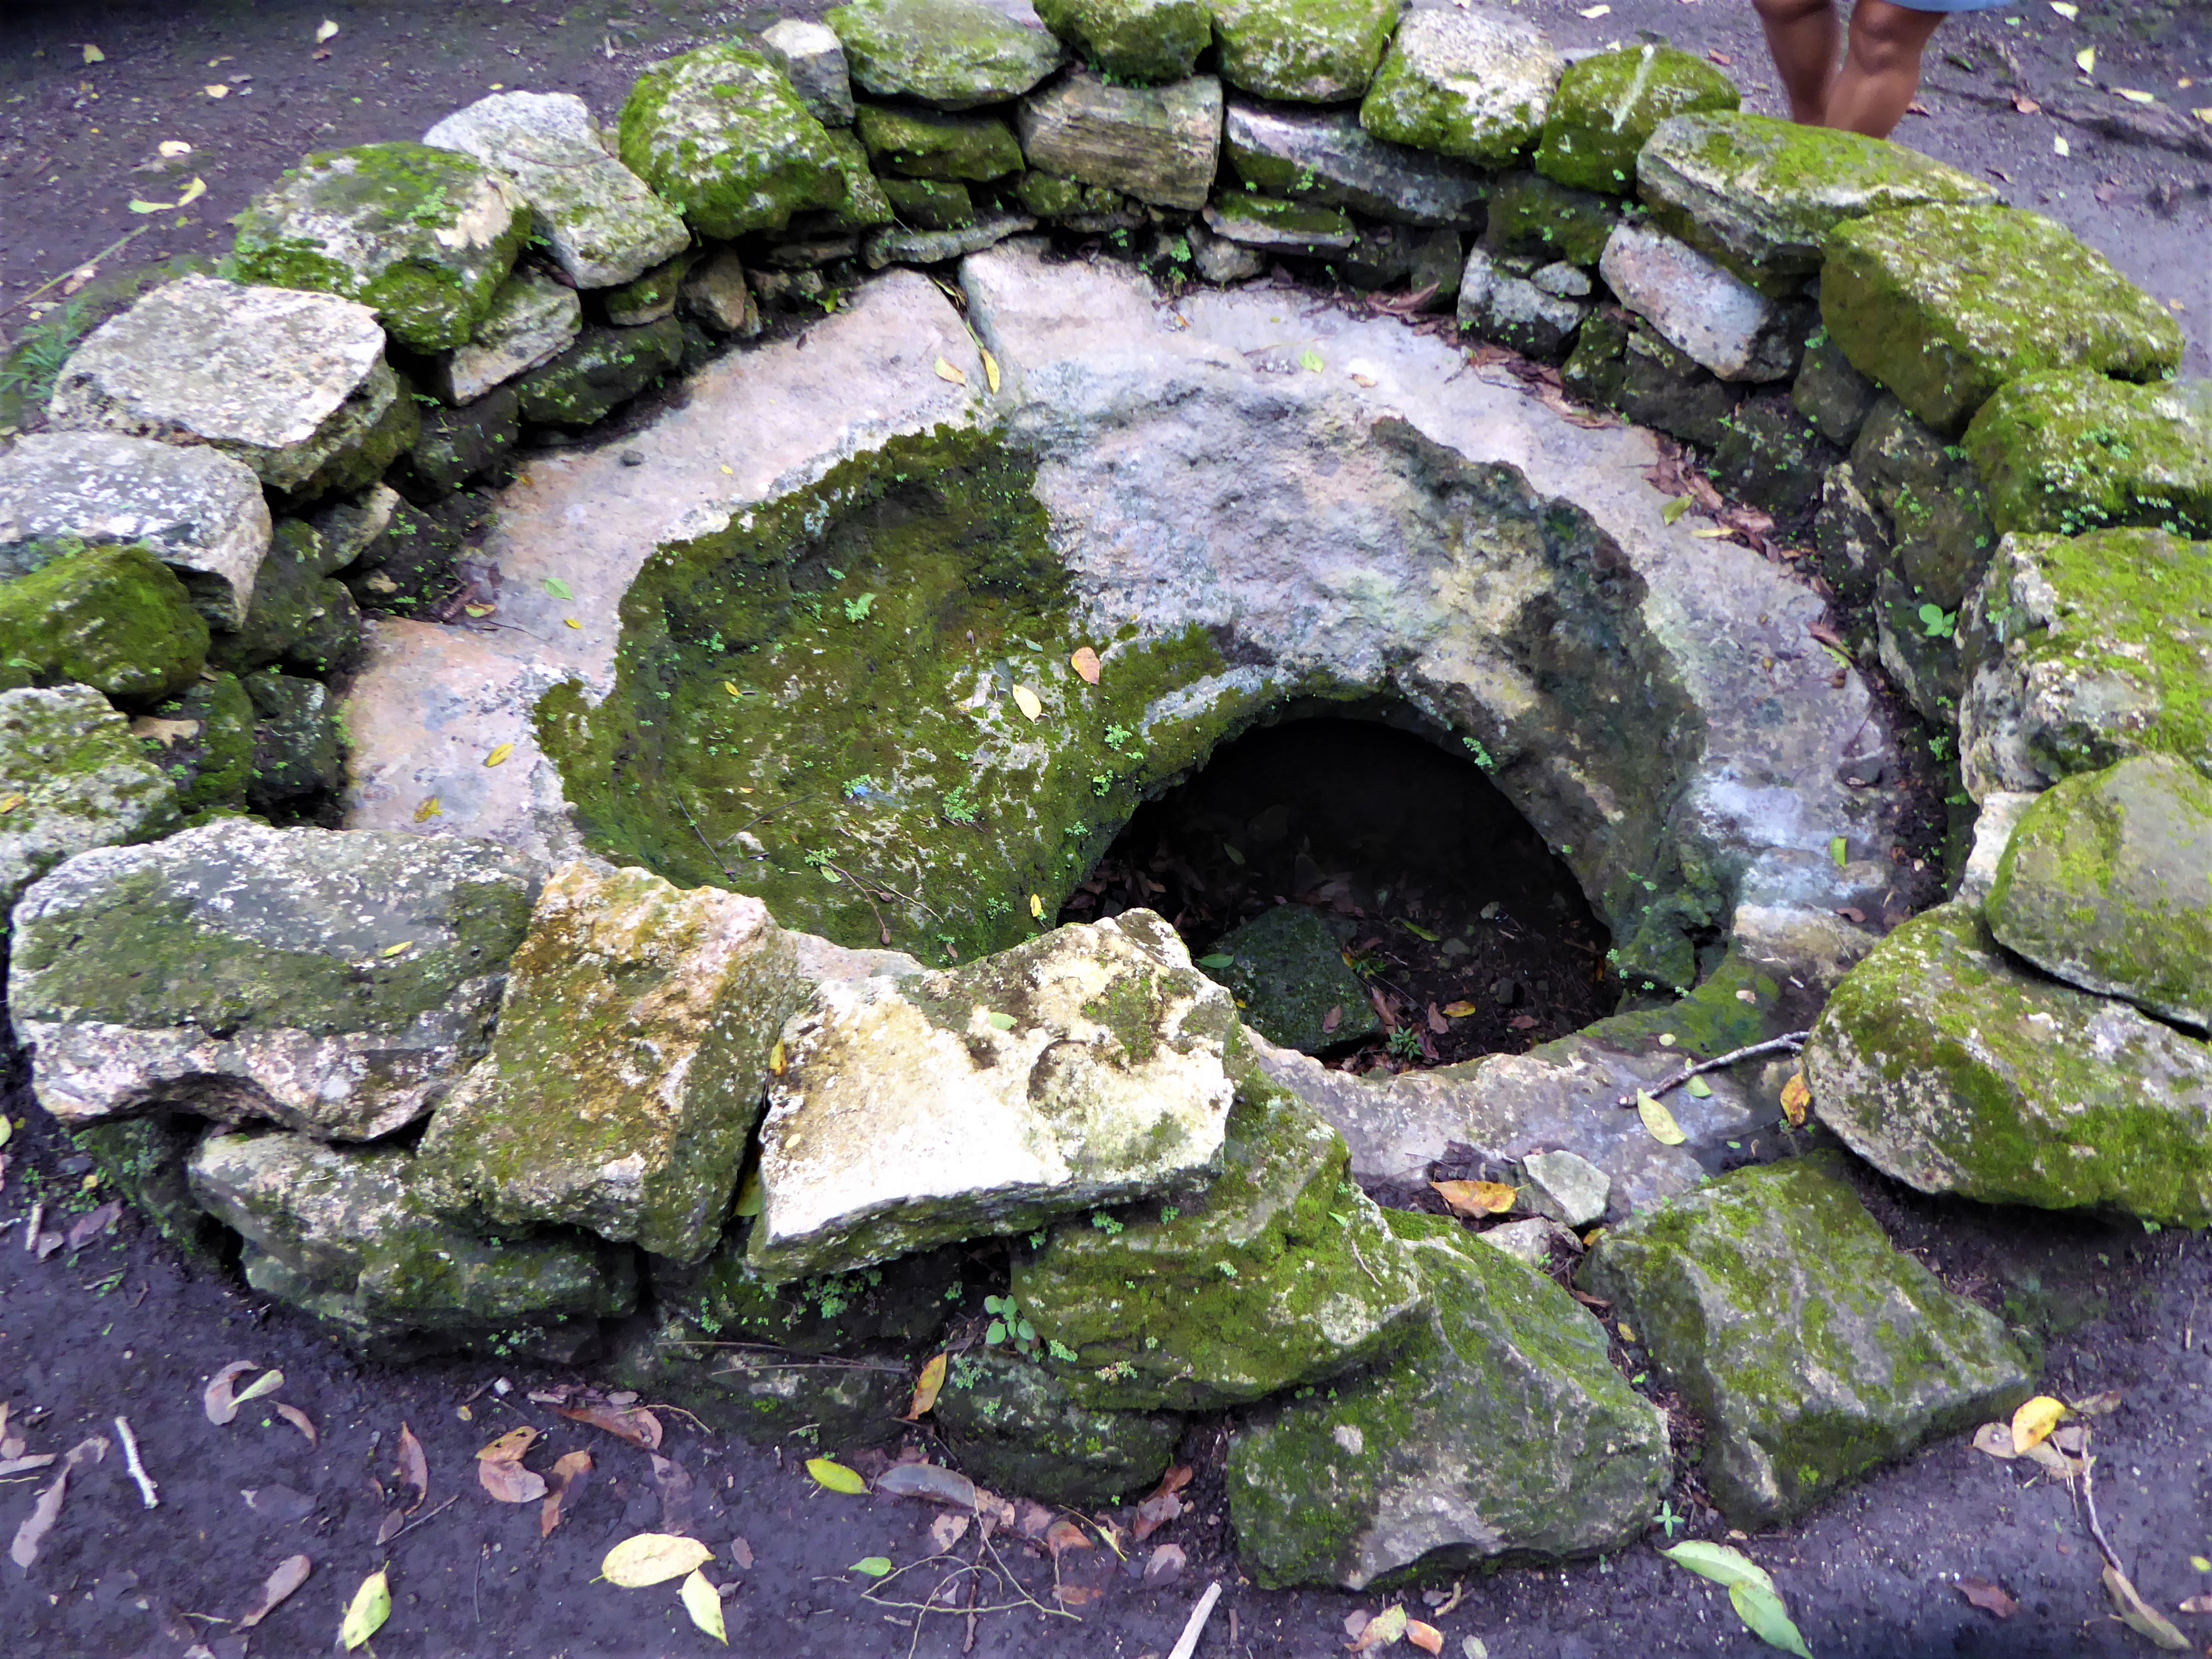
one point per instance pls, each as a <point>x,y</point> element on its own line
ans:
<point>1606,106</point>
<point>2071,450</point>
<point>114,618</point>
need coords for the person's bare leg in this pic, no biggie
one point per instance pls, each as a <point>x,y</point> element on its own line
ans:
<point>1882,67</point>
<point>1802,36</point>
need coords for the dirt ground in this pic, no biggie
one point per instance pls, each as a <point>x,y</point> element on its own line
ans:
<point>127,1325</point>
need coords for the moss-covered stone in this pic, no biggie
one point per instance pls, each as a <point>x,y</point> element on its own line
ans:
<point>926,204</point>
<point>1944,304</point>
<point>1159,144</point>
<point>1289,975</point>
<point>1048,196</point>
<point>1280,1272</point>
<point>624,1079</point>
<point>1531,216</point>
<point>1947,1067</point>
<point>723,139</point>
<point>952,54</point>
<point>453,445</point>
<point>1811,1350</point>
<point>1606,106</point>
<point>300,617</point>
<point>896,1307</point>
<point>1014,1427</point>
<point>1475,85</point>
<point>649,297</point>
<point>424,236</point>
<point>1596,369</point>
<point>1930,498</point>
<point>77,778</point>
<point>828,1401</point>
<point>405,560</point>
<point>1664,387</point>
<point>299,746</point>
<point>1269,222</point>
<point>1312,52</point>
<point>203,740</point>
<point>1829,393</point>
<point>144,1160</point>
<point>2083,650</point>
<point>1772,456</point>
<point>607,366</point>
<point>1762,195</point>
<point>1144,41</point>
<point>1499,1430</point>
<point>114,618</point>
<point>2108,882</point>
<point>1851,536</point>
<point>924,144</point>
<point>1917,642</point>
<point>2069,450</point>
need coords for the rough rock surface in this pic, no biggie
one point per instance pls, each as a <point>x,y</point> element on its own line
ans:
<point>721,137</point>
<point>79,781</point>
<point>1605,106</point>
<point>1309,51</point>
<point>605,368</point>
<point>342,1233</point>
<point>1761,195</point>
<point>1473,84</point>
<point>1266,221</point>
<point>928,247</point>
<point>114,618</point>
<point>1016,1430</point>
<point>2108,882</point>
<point>812,59</point>
<point>1083,1068</point>
<point>1159,144</point>
<point>423,236</point>
<point>1291,982</point>
<point>2082,651</point>
<point>2069,450</point>
<point>531,320</point>
<point>337,982</point>
<point>1402,1468</point>
<point>201,513</point>
<point>289,383</point>
<point>1139,41</point>
<point>1568,1186</point>
<point>1327,156</point>
<point>1531,216</point>
<point>1501,302</point>
<point>1829,393</point>
<point>1947,1067</point>
<point>1811,1350</point>
<point>1944,304</point>
<point>297,749</point>
<point>624,1078</point>
<point>1700,307</point>
<point>1279,1272</point>
<point>952,54</point>
<point>925,144</point>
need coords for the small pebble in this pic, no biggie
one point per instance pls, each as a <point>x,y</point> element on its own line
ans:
<point>633,458</point>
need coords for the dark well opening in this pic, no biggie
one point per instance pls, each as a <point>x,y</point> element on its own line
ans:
<point>1438,892</point>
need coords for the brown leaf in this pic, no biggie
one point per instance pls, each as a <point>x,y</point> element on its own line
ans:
<point>677,1497</point>
<point>86,1228</point>
<point>2100,1405</point>
<point>1995,1440</point>
<point>1796,1099</point>
<point>1333,1018</point>
<point>1524,1022</point>
<point>1085,663</point>
<point>390,1527</point>
<point>299,1419</point>
<point>1438,1022</point>
<point>1063,1535</point>
<point>510,1447</point>
<point>1720,58</point>
<point>1032,1520</point>
<point>2025,105</point>
<point>1471,1201</point>
<point>413,1469</point>
<point>1165,1564</point>
<point>508,1482</point>
<point>32,1535</point>
<point>566,1481</point>
<point>928,1387</point>
<point>1154,1513</point>
<point>948,1529</point>
<point>928,1481</point>
<point>1427,1637</point>
<point>217,1398</point>
<point>1178,1476</point>
<point>1988,1597</point>
<point>2136,1613</point>
<point>741,1552</point>
<point>634,1423</point>
<point>291,1573</point>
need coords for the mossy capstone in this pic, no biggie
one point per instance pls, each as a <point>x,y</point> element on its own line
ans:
<point>1606,106</point>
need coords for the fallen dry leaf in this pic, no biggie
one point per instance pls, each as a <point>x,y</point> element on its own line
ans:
<point>390,1527</point>
<point>89,1226</point>
<point>1026,700</point>
<point>569,1471</point>
<point>948,1529</point>
<point>1063,1536</point>
<point>1460,1010</point>
<point>1085,662</point>
<point>1796,1099</point>
<point>32,1535</point>
<point>632,1423</point>
<point>2100,1405</point>
<point>704,1603</point>
<point>217,1399</point>
<point>299,1419</point>
<point>1995,1440</point>
<point>652,1558</point>
<point>509,1482</point>
<point>413,1469</point>
<point>1165,1565</point>
<point>946,371</point>
<point>1427,1637</point>
<point>1472,1200</point>
<point>2197,1604</point>
<point>1658,1122</point>
<point>2033,1423</point>
<point>928,1387</point>
<point>930,1481</point>
<point>1154,1513</point>
<point>1386,1629</point>
<point>742,1554</point>
<point>1438,1022</point>
<point>1988,1597</point>
<point>291,1573</point>
<point>366,1613</point>
<point>510,1447</point>
<point>2140,1616</point>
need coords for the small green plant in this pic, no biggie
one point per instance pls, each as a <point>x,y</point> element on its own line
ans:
<point>1102,783</point>
<point>1481,754</point>
<point>1405,1044</point>
<point>858,609</point>
<point>1059,1350</point>
<point>1008,1326</point>
<point>31,367</point>
<point>959,805</point>
<point>1107,1224</point>
<point>1937,622</point>
<point>1226,1269</point>
<point>863,785</point>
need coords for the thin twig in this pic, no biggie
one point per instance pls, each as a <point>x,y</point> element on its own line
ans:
<point>1191,1632</point>
<point>146,1487</point>
<point>2089,1505</point>
<point>112,247</point>
<point>418,1521</point>
<point>1790,1043</point>
<point>728,874</point>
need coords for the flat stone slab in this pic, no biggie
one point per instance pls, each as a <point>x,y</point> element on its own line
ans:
<point>1700,307</point>
<point>338,984</point>
<point>532,320</point>
<point>1326,155</point>
<point>1159,144</point>
<point>282,380</point>
<point>80,780</point>
<point>201,513</point>
<point>1081,1069</point>
<point>1474,84</point>
<point>952,54</point>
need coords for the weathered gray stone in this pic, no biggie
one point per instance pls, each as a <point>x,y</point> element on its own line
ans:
<point>1291,982</point>
<point>343,1233</point>
<point>813,60</point>
<point>1606,106</point>
<point>2107,883</point>
<point>2082,651</point>
<point>1399,1470</point>
<point>1311,51</point>
<point>532,320</point>
<point>1265,222</point>
<point>1279,1272</point>
<point>1144,41</point>
<point>603,224</point>
<point>650,298</point>
<point>1220,260</point>
<point>1930,502</point>
<point>1947,1067</point>
<point>625,1076</point>
<point>424,236</point>
<point>1159,144</point>
<point>952,54</point>
<point>336,982</point>
<point>1080,1069</point>
<point>1473,84</point>
<point>392,556</point>
<point>1918,648</point>
<point>1665,388</point>
<point>930,205</point>
<point>715,292</point>
<point>1701,308</point>
<point>1853,539</point>
<point>1017,1430</point>
<point>605,366</point>
<point>287,382</point>
<point>1772,456</point>
<point>1568,1186</point>
<point>1811,1350</point>
<point>1497,302</point>
<point>1999,816</point>
<point>298,746</point>
<point>456,445</point>
<point>1832,394</point>
<point>929,248</point>
<point>201,512</point>
<point>925,144</point>
<point>1326,155</point>
<point>79,779</point>
<point>1535,1241</point>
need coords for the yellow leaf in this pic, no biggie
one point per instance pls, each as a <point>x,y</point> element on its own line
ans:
<point>1658,1121</point>
<point>2060,147</point>
<point>326,31</point>
<point>1711,532</point>
<point>1595,11</point>
<point>7,1131</point>
<point>2033,1423</point>
<point>400,949</point>
<point>1673,512</point>
<point>777,1060</point>
<point>193,193</point>
<point>1628,1331</point>
<point>2066,11</point>
<point>1027,702</point>
<point>2203,115</point>
<point>837,1477</point>
<point>1085,662</point>
<point>370,1608</point>
<point>10,802</point>
<point>499,756</point>
<point>2085,59</point>
<point>1796,1097</point>
<point>93,54</point>
<point>139,206</point>
<point>652,1558</point>
<point>572,621</point>
<point>1460,1010</point>
<point>510,1447</point>
<point>1037,906</point>
<point>704,1603</point>
<point>429,809</point>
<point>946,371</point>
<point>173,148</point>
<point>990,367</point>
<point>2135,97</point>
<point>732,690</point>
<point>216,90</point>
<point>928,1387</point>
<point>1474,1198</point>
<point>2140,1616</point>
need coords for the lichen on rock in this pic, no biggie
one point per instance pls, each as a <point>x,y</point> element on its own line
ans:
<point>1310,51</point>
<point>1472,85</point>
<point>1143,41</point>
<point>1013,1425</point>
<point>114,618</point>
<point>77,778</point>
<point>1606,106</point>
<point>2069,450</point>
<point>952,54</point>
